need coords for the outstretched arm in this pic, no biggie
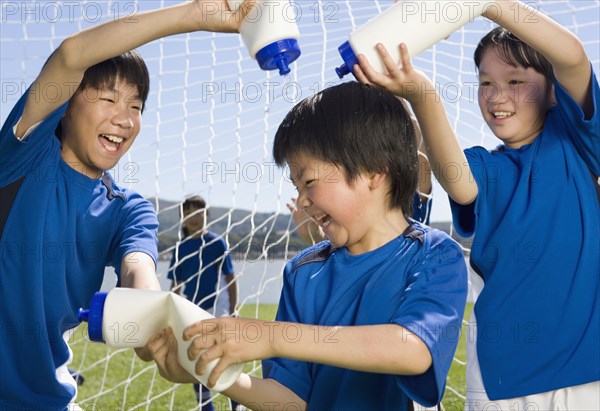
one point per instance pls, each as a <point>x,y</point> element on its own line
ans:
<point>65,68</point>
<point>387,348</point>
<point>443,149</point>
<point>561,47</point>
<point>264,394</point>
<point>138,271</point>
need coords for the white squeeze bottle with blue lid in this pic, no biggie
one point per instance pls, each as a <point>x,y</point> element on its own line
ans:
<point>418,24</point>
<point>128,317</point>
<point>270,33</point>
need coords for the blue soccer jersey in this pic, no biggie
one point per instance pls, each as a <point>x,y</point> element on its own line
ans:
<point>418,281</point>
<point>536,222</point>
<point>61,230</point>
<point>197,262</point>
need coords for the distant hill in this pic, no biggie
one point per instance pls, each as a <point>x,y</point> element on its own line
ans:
<point>250,235</point>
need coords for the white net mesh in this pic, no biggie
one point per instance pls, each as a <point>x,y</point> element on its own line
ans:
<point>208,129</point>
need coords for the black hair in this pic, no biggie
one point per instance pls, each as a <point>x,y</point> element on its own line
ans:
<point>512,50</point>
<point>358,127</point>
<point>129,67</point>
<point>195,203</point>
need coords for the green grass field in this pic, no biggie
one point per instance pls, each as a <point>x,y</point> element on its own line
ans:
<point>117,379</point>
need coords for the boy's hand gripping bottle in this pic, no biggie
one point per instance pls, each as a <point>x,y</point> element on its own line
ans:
<point>270,33</point>
<point>128,317</point>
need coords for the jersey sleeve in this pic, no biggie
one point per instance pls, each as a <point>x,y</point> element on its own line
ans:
<point>19,157</point>
<point>432,308</point>
<point>227,265</point>
<point>139,231</point>
<point>295,375</point>
<point>584,132</point>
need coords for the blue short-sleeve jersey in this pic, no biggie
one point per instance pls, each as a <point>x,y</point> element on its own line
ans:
<point>418,281</point>
<point>536,226</point>
<point>197,262</point>
<point>61,230</point>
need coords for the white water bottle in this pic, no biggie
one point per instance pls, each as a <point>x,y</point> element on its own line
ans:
<point>270,33</point>
<point>418,24</point>
<point>128,317</point>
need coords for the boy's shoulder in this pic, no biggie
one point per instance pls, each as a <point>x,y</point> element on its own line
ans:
<point>439,248</point>
<point>212,238</point>
<point>426,239</point>
<point>211,235</point>
<point>129,201</point>
<point>482,152</point>
<point>317,253</point>
<point>430,237</point>
<point>115,192</point>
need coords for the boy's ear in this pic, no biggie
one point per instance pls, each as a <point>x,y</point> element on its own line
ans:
<point>377,179</point>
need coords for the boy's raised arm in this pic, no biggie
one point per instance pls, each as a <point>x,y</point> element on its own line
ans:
<point>446,157</point>
<point>65,68</point>
<point>561,47</point>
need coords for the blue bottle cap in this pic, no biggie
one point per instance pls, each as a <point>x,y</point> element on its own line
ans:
<point>349,58</point>
<point>93,316</point>
<point>278,55</point>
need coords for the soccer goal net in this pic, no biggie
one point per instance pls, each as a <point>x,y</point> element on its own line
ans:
<point>208,129</point>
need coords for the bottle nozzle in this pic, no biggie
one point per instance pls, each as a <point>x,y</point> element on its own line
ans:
<point>349,58</point>
<point>282,65</point>
<point>83,315</point>
<point>342,70</point>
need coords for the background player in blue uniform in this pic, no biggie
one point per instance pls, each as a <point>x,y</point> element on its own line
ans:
<point>533,207</point>
<point>201,268</point>
<point>62,217</point>
<point>370,318</point>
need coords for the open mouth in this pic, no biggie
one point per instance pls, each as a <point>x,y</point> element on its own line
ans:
<point>111,143</point>
<point>502,114</point>
<point>323,221</point>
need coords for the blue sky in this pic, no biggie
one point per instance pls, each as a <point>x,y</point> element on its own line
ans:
<point>212,113</point>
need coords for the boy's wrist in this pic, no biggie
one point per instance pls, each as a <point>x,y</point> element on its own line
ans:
<point>274,330</point>
<point>417,91</point>
<point>206,16</point>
